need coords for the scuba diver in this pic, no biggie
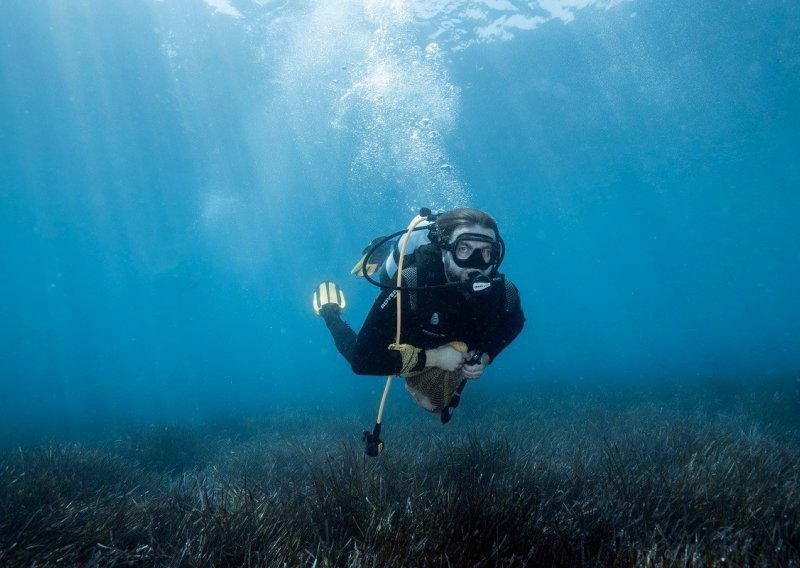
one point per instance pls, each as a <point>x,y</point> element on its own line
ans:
<point>445,311</point>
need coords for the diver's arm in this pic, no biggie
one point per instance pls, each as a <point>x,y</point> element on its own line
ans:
<point>511,324</point>
<point>343,335</point>
<point>372,355</point>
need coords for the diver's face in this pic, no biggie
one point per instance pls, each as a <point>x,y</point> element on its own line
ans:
<point>455,273</point>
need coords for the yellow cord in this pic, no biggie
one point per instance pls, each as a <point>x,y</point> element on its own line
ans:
<point>397,345</point>
<point>410,356</point>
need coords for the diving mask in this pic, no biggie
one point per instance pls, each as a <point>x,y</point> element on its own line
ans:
<point>470,250</point>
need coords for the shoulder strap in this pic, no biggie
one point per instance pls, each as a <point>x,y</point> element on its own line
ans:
<point>428,264</point>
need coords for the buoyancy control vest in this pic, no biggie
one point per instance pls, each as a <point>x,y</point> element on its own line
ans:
<point>440,311</point>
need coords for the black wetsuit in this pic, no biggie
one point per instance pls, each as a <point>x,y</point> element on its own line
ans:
<point>430,319</point>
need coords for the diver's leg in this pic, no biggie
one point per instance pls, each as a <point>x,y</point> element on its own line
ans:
<point>343,335</point>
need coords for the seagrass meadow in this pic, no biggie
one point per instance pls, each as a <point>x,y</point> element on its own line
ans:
<point>576,475</point>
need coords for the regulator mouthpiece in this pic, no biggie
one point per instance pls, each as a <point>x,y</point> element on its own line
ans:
<point>479,285</point>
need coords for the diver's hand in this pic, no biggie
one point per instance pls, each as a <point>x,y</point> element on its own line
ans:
<point>445,357</point>
<point>475,371</point>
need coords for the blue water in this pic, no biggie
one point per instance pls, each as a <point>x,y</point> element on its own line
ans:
<point>176,177</point>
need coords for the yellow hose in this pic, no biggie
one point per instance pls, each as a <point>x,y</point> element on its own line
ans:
<point>396,345</point>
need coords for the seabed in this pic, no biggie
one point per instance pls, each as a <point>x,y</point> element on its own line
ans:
<point>552,476</point>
